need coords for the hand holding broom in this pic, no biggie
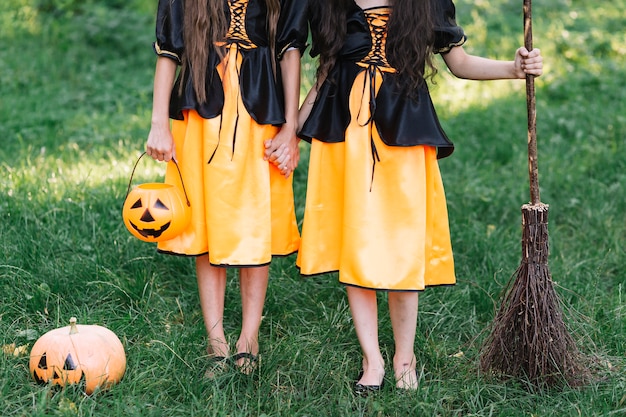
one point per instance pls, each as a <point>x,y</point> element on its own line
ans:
<point>529,338</point>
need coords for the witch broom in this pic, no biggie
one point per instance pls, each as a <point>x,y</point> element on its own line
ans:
<point>529,339</point>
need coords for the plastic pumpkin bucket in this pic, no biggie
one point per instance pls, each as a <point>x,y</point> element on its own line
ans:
<point>156,212</point>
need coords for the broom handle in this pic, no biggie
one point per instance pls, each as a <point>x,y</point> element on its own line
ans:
<point>533,170</point>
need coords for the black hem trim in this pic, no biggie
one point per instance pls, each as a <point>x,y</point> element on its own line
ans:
<point>396,290</point>
<point>317,274</point>
<point>187,255</point>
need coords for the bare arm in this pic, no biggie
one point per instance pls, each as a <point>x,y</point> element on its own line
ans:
<point>307,105</point>
<point>160,144</point>
<point>309,100</point>
<point>282,150</point>
<point>474,67</point>
<point>290,69</point>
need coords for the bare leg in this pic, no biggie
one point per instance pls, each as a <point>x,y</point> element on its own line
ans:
<point>253,286</point>
<point>212,289</point>
<point>403,313</point>
<point>365,317</point>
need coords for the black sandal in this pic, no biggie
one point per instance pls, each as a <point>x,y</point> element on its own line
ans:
<point>249,364</point>
<point>217,365</point>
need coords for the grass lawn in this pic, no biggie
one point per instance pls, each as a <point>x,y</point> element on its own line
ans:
<point>75,100</point>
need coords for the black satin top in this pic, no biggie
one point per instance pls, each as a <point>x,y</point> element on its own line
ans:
<point>401,119</point>
<point>261,93</point>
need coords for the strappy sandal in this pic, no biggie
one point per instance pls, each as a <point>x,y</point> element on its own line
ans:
<point>217,366</point>
<point>249,364</point>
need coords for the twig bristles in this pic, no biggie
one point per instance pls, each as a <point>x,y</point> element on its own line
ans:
<point>529,338</point>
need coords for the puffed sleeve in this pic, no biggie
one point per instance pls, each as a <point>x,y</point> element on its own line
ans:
<point>292,26</point>
<point>447,33</point>
<point>169,29</point>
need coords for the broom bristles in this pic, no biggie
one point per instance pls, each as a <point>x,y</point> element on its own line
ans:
<point>529,338</point>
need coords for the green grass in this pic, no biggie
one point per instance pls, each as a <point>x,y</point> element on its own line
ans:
<point>75,96</point>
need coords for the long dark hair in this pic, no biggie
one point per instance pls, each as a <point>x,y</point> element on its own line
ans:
<point>410,40</point>
<point>328,31</point>
<point>273,14</point>
<point>205,24</point>
<point>410,36</point>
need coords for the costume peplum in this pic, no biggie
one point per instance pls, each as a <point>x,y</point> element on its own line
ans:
<point>242,207</point>
<point>375,207</point>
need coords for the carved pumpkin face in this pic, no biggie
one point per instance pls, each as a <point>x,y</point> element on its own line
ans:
<point>74,354</point>
<point>155,212</point>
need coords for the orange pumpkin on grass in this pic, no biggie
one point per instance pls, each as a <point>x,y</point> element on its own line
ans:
<point>78,353</point>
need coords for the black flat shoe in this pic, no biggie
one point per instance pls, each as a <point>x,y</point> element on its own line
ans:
<point>364,390</point>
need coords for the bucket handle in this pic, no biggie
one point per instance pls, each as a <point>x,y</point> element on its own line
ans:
<point>132,174</point>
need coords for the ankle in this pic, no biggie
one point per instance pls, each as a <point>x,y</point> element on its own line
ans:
<point>373,363</point>
<point>217,348</point>
<point>247,345</point>
<point>405,372</point>
<point>404,363</point>
<point>373,371</point>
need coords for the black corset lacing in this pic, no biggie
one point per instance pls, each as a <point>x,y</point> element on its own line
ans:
<point>375,62</point>
<point>238,37</point>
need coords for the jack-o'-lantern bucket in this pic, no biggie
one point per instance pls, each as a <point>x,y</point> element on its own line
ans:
<point>156,212</point>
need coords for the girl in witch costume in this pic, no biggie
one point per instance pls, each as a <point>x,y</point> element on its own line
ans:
<point>234,111</point>
<point>375,206</point>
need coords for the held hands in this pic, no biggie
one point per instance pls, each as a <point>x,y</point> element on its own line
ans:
<point>530,63</point>
<point>283,151</point>
<point>160,145</point>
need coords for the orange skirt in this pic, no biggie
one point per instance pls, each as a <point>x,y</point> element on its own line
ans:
<point>242,207</point>
<point>384,225</point>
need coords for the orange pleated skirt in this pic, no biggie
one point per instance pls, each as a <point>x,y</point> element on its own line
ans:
<point>242,207</point>
<point>383,226</point>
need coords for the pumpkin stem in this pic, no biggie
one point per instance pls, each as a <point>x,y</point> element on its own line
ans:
<point>73,329</point>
